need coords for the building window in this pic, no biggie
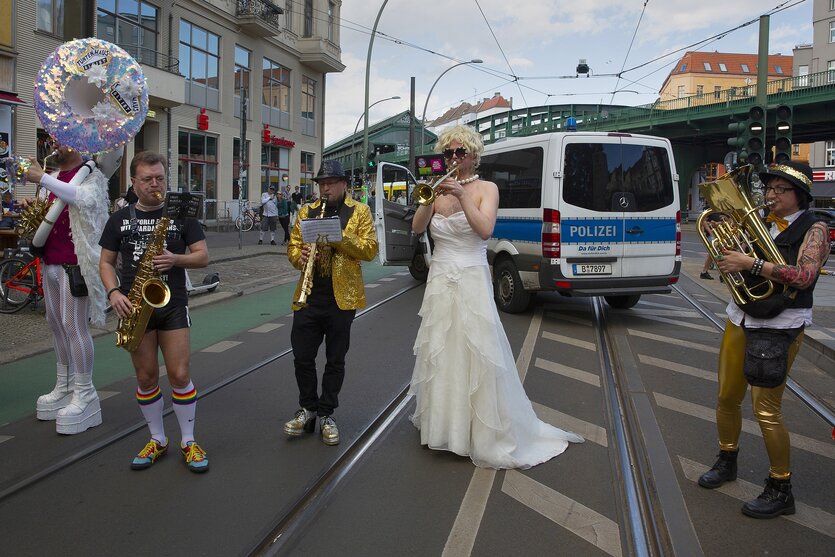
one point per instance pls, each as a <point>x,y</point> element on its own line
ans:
<point>700,89</point>
<point>683,68</point>
<point>242,77</point>
<point>830,153</point>
<point>830,71</point>
<point>288,14</point>
<point>723,68</point>
<point>308,123</point>
<point>802,76</point>
<point>199,63</point>
<point>831,5</point>
<point>197,168</point>
<point>680,91</point>
<point>67,19</point>
<point>717,91</point>
<point>745,68</point>
<point>275,167</point>
<point>832,31</point>
<point>275,95</point>
<point>130,24</point>
<point>778,70</point>
<point>306,171</point>
<point>308,18</point>
<point>707,67</point>
<point>331,22</point>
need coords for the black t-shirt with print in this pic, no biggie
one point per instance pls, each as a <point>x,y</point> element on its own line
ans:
<point>118,236</point>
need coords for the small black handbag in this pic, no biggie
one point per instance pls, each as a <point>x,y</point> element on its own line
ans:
<point>767,355</point>
<point>78,288</point>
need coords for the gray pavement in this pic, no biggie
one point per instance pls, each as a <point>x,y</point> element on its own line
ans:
<point>253,268</point>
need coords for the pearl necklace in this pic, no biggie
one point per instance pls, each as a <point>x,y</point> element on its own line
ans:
<point>468,180</point>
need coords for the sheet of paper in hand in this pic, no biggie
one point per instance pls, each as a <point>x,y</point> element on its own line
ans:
<point>322,230</point>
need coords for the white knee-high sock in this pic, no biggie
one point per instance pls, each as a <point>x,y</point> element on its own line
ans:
<point>185,408</point>
<point>151,403</point>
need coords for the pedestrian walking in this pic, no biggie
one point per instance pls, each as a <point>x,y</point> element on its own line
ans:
<point>269,219</point>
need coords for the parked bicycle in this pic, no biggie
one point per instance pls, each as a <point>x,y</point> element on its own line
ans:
<point>247,220</point>
<point>21,282</point>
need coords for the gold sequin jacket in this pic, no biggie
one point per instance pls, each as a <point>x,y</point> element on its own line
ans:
<point>359,242</point>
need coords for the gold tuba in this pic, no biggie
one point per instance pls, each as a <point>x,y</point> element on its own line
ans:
<point>147,292</point>
<point>424,192</point>
<point>307,275</point>
<point>742,230</point>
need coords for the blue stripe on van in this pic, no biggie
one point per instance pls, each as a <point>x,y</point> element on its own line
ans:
<point>525,230</point>
<point>609,230</point>
<point>650,230</point>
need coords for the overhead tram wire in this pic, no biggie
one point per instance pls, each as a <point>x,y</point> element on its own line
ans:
<point>628,50</point>
<point>512,71</point>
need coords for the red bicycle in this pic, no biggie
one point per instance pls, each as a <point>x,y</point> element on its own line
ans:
<point>20,282</point>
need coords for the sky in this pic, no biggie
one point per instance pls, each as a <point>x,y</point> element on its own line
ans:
<point>530,50</point>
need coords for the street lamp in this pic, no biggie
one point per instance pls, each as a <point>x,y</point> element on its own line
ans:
<point>353,157</point>
<point>423,117</point>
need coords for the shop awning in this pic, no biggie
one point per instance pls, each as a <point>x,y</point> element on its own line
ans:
<point>10,98</point>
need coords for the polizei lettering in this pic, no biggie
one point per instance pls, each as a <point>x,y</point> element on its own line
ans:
<point>592,231</point>
<point>93,57</point>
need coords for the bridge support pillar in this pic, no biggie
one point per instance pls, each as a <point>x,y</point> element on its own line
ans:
<point>689,158</point>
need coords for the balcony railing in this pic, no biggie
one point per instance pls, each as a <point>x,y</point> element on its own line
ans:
<point>153,58</point>
<point>262,9</point>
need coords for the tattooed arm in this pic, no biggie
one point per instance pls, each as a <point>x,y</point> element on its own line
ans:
<point>813,254</point>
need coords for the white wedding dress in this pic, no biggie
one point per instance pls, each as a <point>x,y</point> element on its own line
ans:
<point>469,397</point>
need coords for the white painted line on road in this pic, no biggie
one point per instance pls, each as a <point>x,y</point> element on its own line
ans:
<point>678,368</point>
<point>659,312</point>
<point>462,536</point>
<point>372,285</point>
<point>104,395</point>
<point>266,328</point>
<point>568,340</point>
<point>570,372</point>
<point>706,328</point>
<point>748,426</point>
<point>386,279</point>
<point>403,274</point>
<point>4,438</point>
<point>808,516</point>
<point>653,304</point>
<point>569,318</point>
<point>817,334</point>
<point>572,515</point>
<point>222,346</point>
<point>588,430</point>
<point>674,341</point>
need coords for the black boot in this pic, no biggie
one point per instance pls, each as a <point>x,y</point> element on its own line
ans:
<point>775,500</point>
<point>724,470</point>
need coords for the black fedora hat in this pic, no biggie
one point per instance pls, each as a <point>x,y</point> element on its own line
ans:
<point>330,169</point>
<point>799,174</point>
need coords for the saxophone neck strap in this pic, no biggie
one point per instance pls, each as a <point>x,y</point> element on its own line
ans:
<point>134,222</point>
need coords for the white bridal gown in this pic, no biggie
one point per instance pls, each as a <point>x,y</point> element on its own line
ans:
<point>469,397</point>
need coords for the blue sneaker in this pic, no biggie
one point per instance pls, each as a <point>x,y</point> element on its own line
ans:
<point>196,459</point>
<point>147,456</point>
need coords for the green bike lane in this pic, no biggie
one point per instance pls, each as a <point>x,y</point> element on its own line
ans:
<point>26,379</point>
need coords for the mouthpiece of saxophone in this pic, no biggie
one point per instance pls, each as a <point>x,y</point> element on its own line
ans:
<point>157,195</point>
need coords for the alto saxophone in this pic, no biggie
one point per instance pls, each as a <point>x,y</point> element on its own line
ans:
<point>307,275</point>
<point>147,292</point>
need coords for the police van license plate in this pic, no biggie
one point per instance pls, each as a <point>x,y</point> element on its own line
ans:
<point>592,269</point>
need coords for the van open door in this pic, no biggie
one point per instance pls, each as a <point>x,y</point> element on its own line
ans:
<point>393,221</point>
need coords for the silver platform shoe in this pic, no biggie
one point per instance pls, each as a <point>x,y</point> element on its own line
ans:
<point>303,421</point>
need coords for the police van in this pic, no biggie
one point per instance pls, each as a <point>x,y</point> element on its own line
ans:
<point>583,214</point>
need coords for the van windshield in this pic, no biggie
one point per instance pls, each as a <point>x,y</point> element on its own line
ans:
<point>615,177</point>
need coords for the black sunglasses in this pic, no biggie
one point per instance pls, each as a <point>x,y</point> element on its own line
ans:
<point>460,152</point>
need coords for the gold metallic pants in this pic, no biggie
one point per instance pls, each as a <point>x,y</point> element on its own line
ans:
<point>767,403</point>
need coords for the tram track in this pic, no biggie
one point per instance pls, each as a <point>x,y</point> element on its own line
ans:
<point>121,434</point>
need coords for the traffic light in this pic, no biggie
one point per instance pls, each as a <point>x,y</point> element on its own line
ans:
<point>783,139</point>
<point>372,163</point>
<point>740,139</point>
<point>755,145</point>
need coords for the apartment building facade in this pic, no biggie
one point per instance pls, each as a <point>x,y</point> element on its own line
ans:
<point>199,58</point>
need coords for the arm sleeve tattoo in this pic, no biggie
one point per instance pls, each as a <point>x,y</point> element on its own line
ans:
<point>813,254</point>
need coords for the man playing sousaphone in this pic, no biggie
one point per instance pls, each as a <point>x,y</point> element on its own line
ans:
<point>326,311</point>
<point>73,292</point>
<point>182,245</point>
<point>761,351</point>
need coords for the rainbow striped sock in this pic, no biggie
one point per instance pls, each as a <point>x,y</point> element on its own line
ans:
<point>151,404</point>
<point>185,408</point>
<point>144,399</point>
<point>188,395</point>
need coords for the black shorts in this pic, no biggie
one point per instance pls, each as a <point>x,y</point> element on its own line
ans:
<point>169,318</point>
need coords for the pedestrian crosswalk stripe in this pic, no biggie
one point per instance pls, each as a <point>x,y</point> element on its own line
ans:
<point>570,372</point>
<point>678,368</point>
<point>572,515</point>
<point>706,328</point>
<point>817,334</point>
<point>569,318</point>
<point>222,346</point>
<point>386,279</point>
<point>403,274</point>
<point>104,395</point>
<point>372,285</point>
<point>643,303</point>
<point>806,515</point>
<point>266,328</point>
<point>588,430</point>
<point>4,438</point>
<point>748,426</point>
<point>465,528</point>
<point>659,312</point>
<point>675,341</point>
<point>568,340</point>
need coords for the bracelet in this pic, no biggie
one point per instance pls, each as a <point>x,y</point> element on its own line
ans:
<point>111,291</point>
<point>757,267</point>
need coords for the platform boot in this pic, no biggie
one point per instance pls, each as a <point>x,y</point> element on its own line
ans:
<point>724,470</point>
<point>48,405</point>
<point>83,412</point>
<point>775,500</point>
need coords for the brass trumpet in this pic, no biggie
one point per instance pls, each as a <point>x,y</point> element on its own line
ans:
<point>424,192</point>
